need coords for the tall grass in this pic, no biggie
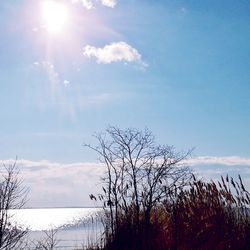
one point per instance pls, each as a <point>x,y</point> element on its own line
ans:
<point>203,215</point>
<point>209,216</point>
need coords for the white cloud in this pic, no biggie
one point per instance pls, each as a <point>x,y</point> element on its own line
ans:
<point>89,4</point>
<point>109,3</point>
<point>114,52</point>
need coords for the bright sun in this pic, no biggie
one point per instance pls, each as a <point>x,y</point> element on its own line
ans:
<point>55,16</point>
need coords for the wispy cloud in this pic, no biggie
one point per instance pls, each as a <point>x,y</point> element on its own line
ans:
<point>56,93</point>
<point>50,69</point>
<point>89,4</point>
<point>114,52</point>
<point>59,95</point>
<point>52,73</point>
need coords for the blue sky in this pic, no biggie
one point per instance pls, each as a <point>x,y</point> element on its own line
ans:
<point>180,68</point>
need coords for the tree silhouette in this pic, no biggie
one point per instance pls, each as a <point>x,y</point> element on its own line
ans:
<point>139,173</point>
<point>12,196</point>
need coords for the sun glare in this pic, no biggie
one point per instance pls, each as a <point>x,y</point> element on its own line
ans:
<point>55,16</point>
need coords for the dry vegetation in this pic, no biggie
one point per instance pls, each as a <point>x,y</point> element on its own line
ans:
<point>12,196</point>
<point>200,216</point>
<point>151,201</point>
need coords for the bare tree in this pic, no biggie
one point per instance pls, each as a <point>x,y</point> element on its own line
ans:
<point>12,196</point>
<point>48,242</point>
<point>140,173</point>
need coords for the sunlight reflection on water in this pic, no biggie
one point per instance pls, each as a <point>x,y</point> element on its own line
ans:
<point>77,226</point>
<point>52,218</point>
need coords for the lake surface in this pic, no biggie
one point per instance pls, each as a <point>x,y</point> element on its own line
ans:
<point>76,227</point>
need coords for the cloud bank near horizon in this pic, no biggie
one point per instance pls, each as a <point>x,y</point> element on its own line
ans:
<point>221,160</point>
<point>55,184</point>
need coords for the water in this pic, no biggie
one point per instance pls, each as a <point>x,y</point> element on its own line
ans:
<point>75,227</point>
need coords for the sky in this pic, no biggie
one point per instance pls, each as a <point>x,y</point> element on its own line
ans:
<point>71,68</point>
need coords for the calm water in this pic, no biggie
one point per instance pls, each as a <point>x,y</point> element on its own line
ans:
<point>75,226</point>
